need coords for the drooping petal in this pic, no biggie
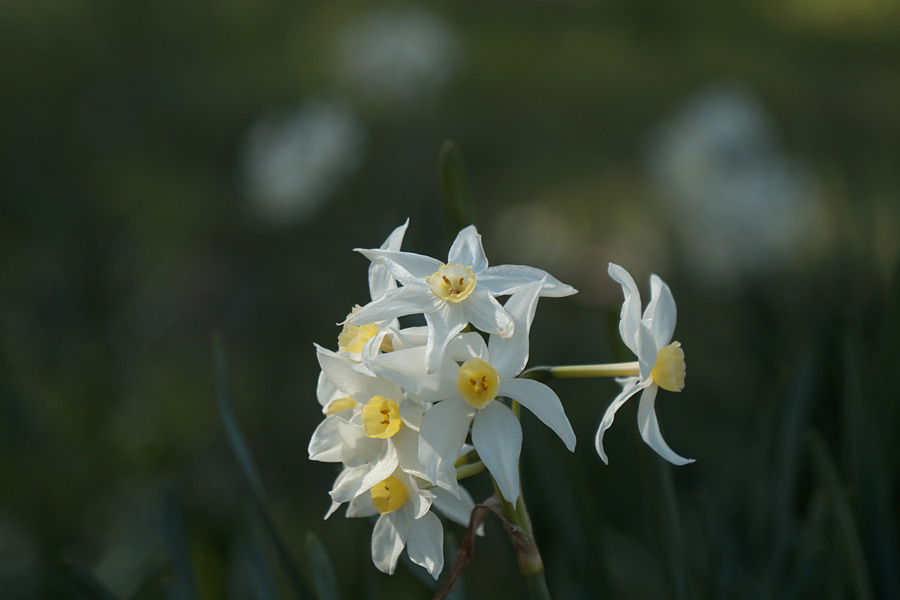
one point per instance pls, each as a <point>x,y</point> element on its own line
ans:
<point>425,544</point>
<point>631,387</point>
<point>380,278</point>
<point>510,355</point>
<point>497,436</point>
<point>441,437</point>
<point>485,313</point>
<point>543,403</point>
<point>649,427</point>
<point>503,280</point>
<point>443,325</point>
<point>660,314</point>
<point>407,267</point>
<point>407,300</point>
<point>388,539</point>
<point>457,509</point>
<point>630,316</point>
<point>468,251</point>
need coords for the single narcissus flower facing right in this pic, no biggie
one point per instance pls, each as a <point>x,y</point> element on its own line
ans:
<point>660,361</point>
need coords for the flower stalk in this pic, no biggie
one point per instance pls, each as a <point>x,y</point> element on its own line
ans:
<point>626,369</point>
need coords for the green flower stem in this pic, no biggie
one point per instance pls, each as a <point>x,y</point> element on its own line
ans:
<point>629,369</point>
<point>469,469</point>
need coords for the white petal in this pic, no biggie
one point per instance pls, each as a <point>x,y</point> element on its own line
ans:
<point>660,314</point>
<point>418,501</point>
<point>361,506</point>
<point>406,267</point>
<point>325,391</point>
<point>343,373</point>
<point>631,387</point>
<point>485,313</point>
<point>503,280</point>
<point>406,368</point>
<point>426,543</point>
<point>334,506</point>
<point>465,346</point>
<point>411,411</point>
<point>630,317</point>
<point>458,510</point>
<point>468,251</point>
<point>406,441</point>
<point>543,403</point>
<point>497,436</point>
<point>441,437</point>
<point>410,337</point>
<point>646,350</point>
<point>649,427</point>
<point>510,355</point>
<point>388,540</point>
<point>380,278</point>
<point>443,325</point>
<point>360,479</point>
<point>354,380</point>
<point>326,442</point>
<point>408,300</point>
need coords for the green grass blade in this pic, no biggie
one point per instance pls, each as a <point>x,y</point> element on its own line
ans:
<point>248,470</point>
<point>842,514</point>
<point>324,579</point>
<point>183,586</point>
<point>458,206</point>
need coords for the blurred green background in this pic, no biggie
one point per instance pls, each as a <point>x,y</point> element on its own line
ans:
<point>172,169</point>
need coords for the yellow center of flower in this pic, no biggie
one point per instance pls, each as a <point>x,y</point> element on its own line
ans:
<point>340,404</point>
<point>669,370</point>
<point>354,337</point>
<point>381,418</point>
<point>452,283</point>
<point>477,382</point>
<point>389,495</point>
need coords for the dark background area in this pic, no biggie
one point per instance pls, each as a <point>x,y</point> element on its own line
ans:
<point>170,170</point>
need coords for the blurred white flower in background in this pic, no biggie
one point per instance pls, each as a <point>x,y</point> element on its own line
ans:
<point>397,55</point>
<point>739,205</point>
<point>294,163</point>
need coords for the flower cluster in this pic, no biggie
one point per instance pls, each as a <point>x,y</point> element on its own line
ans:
<point>411,411</point>
<point>400,402</point>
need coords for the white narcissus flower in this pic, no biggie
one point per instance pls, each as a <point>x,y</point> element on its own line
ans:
<point>465,395</point>
<point>660,363</point>
<point>407,521</point>
<point>372,431</point>
<point>451,295</point>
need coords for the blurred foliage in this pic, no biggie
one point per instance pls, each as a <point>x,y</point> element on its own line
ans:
<point>128,234</point>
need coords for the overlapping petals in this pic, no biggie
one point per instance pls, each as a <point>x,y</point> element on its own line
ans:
<point>645,335</point>
<point>447,315</point>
